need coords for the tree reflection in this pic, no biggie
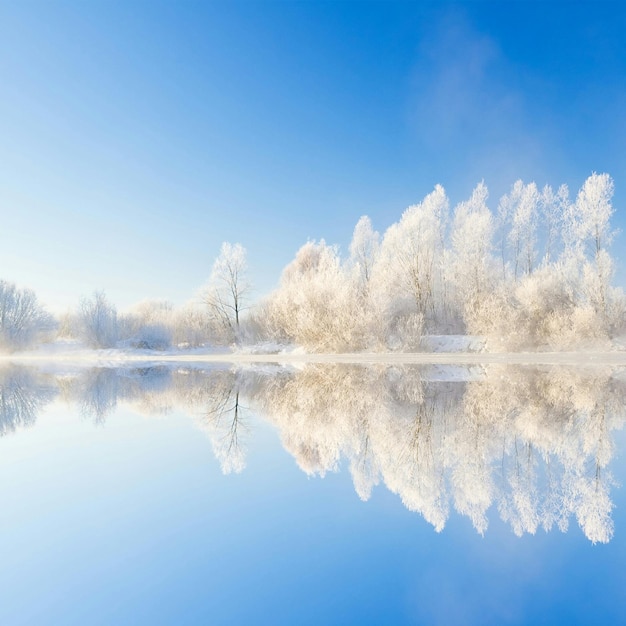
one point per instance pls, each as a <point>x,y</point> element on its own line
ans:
<point>534,444</point>
<point>23,394</point>
<point>223,420</point>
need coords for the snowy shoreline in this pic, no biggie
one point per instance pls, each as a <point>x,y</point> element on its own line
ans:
<point>437,349</point>
<point>117,358</point>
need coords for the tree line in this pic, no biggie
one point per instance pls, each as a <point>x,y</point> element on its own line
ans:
<point>536,271</point>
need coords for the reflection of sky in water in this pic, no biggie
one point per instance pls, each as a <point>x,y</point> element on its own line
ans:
<point>132,521</point>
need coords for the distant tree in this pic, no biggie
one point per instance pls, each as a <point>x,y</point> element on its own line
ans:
<point>22,318</point>
<point>191,325</point>
<point>229,288</point>
<point>150,324</point>
<point>97,321</point>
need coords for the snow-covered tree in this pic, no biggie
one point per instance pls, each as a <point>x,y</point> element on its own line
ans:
<point>22,319</point>
<point>97,321</point>
<point>590,216</point>
<point>554,208</point>
<point>411,254</point>
<point>518,212</point>
<point>364,249</point>
<point>473,266</point>
<point>316,304</point>
<point>227,293</point>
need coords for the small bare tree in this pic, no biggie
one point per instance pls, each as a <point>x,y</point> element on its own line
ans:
<point>227,293</point>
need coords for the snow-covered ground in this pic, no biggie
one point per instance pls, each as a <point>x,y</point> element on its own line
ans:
<point>438,349</point>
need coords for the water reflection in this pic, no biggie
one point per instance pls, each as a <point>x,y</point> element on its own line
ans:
<point>23,393</point>
<point>533,444</point>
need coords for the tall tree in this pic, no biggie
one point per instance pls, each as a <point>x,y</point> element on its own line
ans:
<point>519,209</point>
<point>590,233</point>
<point>472,235</point>
<point>554,208</point>
<point>411,252</point>
<point>227,293</point>
<point>364,250</point>
<point>590,215</point>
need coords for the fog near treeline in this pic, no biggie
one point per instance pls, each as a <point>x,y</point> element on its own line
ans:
<point>532,446</point>
<point>535,270</point>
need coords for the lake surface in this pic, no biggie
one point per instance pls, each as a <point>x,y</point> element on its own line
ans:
<point>323,494</point>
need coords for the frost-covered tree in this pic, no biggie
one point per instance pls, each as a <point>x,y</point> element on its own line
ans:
<point>411,253</point>
<point>524,230</point>
<point>590,216</point>
<point>518,212</point>
<point>554,208</point>
<point>364,249</point>
<point>227,293</point>
<point>97,321</point>
<point>473,266</point>
<point>316,304</point>
<point>22,319</point>
<point>589,235</point>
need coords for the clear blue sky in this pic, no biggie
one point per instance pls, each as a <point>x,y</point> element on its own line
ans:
<point>135,137</point>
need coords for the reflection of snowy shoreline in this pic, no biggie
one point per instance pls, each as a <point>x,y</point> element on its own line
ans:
<point>61,360</point>
<point>533,442</point>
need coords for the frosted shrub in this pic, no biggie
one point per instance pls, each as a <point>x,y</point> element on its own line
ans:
<point>566,329</point>
<point>616,311</point>
<point>491,316</point>
<point>152,337</point>
<point>406,331</point>
<point>403,325</point>
<point>586,323</point>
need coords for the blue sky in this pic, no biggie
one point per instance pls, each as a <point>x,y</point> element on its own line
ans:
<point>135,137</point>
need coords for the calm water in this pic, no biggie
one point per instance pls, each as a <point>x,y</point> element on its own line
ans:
<point>324,495</point>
